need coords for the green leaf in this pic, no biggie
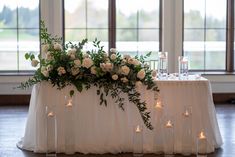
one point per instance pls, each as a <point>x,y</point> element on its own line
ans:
<point>26,56</point>
<point>32,57</point>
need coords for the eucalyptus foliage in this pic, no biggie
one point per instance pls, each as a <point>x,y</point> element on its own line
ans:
<point>70,64</point>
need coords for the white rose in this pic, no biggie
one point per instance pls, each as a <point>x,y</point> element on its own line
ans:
<point>105,55</point>
<point>45,48</point>
<point>72,53</point>
<point>85,55</point>
<point>125,70</point>
<point>113,50</point>
<point>154,73</point>
<point>113,57</point>
<point>49,56</point>
<point>93,70</point>
<point>77,62</point>
<point>141,74</point>
<point>138,84</point>
<point>44,72</point>
<point>130,61</point>
<point>75,71</point>
<point>61,71</point>
<point>49,68</point>
<point>34,62</point>
<point>124,80</point>
<point>136,62</point>
<point>126,57</point>
<point>57,46</point>
<point>115,77</point>
<point>87,63</point>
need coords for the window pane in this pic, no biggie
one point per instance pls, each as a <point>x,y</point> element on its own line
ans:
<point>28,15</point>
<point>194,12</point>
<point>28,42</point>
<point>216,18</point>
<point>149,14</point>
<point>75,13</point>
<point>8,14</point>
<point>8,49</point>
<point>100,34</point>
<point>206,44</point>
<point>97,13</point>
<point>75,35</point>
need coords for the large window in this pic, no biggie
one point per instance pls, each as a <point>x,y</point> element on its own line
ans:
<point>19,33</point>
<point>136,28</point>
<point>205,34</point>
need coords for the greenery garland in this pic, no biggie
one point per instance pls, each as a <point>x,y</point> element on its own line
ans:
<point>112,75</point>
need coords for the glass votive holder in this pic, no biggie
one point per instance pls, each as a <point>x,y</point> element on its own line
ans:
<point>51,134</point>
<point>202,145</point>
<point>138,141</point>
<point>183,67</point>
<point>162,65</point>
<point>169,139</point>
<point>187,131</point>
<point>69,127</point>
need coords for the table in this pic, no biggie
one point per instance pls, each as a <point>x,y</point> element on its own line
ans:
<point>100,129</point>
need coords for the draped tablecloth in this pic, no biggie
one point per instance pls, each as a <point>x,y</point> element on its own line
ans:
<point>100,129</point>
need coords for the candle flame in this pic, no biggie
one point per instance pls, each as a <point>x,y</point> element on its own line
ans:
<point>50,114</point>
<point>169,124</point>
<point>158,105</point>
<point>138,129</point>
<point>186,113</point>
<point>70,104</point>
<point>202,135</point>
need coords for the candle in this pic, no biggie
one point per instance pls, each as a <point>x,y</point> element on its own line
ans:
<point>69,103</point>
<point>50,114</point>
<point>158,105</point>
<point>138,130</point>
<point>202,135</point>
<point>169,124</point>
<point>186,113</point>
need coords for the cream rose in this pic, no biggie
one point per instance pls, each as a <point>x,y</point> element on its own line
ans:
<point>141,74</point>
<point>77,62</point>
<point>85,55</point>
<point>125,70</point>
<point>87,63</point>
<point>126,57</point>
<point>115,77</point>
<point>113,57</point>
<point>113,50</point>
<point>136,62</point>
<point>49,56</point>
<point>44,71</point>
<point>34,62</point>
<point>49,68</point>
<point>72,53</point>
<point>93,70</point>
<point>138,84</point>
<point>75,71</point>
<point>124,80</point>
<point>45,48</point>
<point>57,47</point>
<point>130,61</point>
<point>61,71</point>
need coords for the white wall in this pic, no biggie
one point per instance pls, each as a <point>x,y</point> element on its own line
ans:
<point>51,12</point>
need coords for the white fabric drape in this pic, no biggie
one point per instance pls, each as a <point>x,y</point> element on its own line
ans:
<point>100,129</point>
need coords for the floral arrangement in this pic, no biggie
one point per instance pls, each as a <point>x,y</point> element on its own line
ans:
<point>68,64</point>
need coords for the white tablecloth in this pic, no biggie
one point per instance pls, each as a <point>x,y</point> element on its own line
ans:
<point>100,129</point>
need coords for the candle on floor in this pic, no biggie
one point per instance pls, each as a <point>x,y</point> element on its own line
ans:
<point>50,114</point>
<point>169,124</point>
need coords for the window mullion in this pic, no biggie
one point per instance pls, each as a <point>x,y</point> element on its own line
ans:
<point>112,23</point>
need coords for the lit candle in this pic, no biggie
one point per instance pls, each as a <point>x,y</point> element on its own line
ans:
<point>69,103</point>
<point>138,130</point>
<point>50,114</point>
<point>169,124</point>
<point>186,113</point>
<point>158,105</point>
<point>202,136</point>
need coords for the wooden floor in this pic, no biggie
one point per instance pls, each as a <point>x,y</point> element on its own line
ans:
<point>13,119</point>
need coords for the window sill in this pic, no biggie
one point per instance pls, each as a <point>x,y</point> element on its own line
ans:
<point>213,73</point>
<point>15,73</point>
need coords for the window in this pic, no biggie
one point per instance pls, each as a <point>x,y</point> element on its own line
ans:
<point>135,30</point>
<point>19,33</point>
<point>205,34</point>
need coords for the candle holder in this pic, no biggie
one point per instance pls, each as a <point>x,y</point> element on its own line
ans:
<point>162,65</point>
<point>187,131</point>
<point>202,145</point>
<point>69,128</point>
<point>183,67</point>
<point>169,139</point>
<point>138,141</point>
<point>158,139</point>
<point>51,134</point>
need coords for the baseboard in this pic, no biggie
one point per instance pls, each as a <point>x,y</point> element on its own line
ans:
<point>219,98</point>
<point>14,99</point>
